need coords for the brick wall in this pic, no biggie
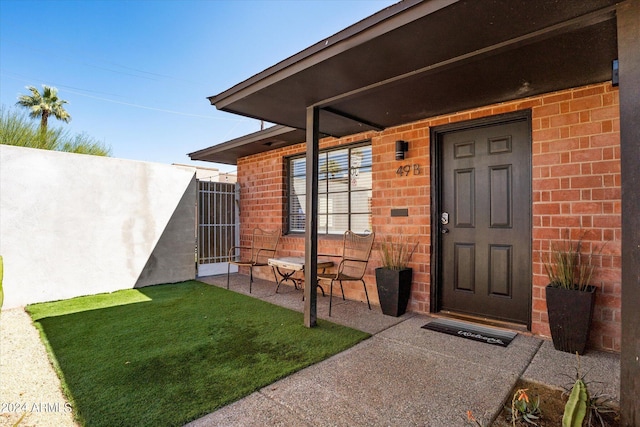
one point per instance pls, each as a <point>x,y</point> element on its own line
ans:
<point>576,187</point>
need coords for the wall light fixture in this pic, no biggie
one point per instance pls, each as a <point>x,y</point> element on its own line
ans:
<point>401,148</point>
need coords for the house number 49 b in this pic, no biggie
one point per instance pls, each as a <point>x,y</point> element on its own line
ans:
<point>405,170</point>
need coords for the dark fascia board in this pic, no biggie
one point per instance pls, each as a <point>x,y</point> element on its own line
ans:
<point>257,142</point>
<point>246,97</point>
<point>252,96</point>
<point>342,41</point>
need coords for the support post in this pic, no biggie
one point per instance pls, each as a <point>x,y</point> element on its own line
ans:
<point>311,221</point>
<point>628,21</point>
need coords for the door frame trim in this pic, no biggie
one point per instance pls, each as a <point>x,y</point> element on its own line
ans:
<point>435,151</point>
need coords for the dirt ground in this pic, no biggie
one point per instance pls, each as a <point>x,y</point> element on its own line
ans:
<point>552,404</point>
<point>30,391</point>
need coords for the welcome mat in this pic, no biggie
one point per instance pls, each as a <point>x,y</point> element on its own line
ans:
<point>471,331</point>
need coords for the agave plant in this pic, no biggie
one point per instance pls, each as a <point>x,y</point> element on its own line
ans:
<point>524,408</point>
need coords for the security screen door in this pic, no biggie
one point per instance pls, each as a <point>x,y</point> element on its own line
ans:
<point>218,226</point>
<point>485,221</point>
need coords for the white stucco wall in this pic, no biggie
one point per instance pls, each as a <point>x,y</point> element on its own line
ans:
<point>73,224</point>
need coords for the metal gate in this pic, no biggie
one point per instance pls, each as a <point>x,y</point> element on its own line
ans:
<point>218,226</point>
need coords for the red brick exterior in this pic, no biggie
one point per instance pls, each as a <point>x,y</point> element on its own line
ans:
<point>576,187</point>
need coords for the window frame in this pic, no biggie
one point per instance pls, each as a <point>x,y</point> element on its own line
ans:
<point>326,191</point>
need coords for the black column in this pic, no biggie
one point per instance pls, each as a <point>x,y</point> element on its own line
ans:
<point>311,221</point>
<point>628,16</point>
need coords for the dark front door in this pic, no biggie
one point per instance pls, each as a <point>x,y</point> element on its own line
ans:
<point>485,220</point>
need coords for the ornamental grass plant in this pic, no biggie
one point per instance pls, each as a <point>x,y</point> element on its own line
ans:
<point>396,252</point>
<point>568,267</point>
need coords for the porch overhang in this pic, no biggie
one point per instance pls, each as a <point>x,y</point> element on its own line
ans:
<point>419,59</point>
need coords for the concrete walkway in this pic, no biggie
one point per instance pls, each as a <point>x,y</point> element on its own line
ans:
<point>403,375</point>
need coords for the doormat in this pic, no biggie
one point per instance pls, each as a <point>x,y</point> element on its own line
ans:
<point>471,331</point>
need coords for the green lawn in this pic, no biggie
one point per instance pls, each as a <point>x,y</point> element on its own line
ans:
<point>168,354</point>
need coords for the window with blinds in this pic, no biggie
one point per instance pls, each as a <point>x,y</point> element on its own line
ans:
<point>344,191</point>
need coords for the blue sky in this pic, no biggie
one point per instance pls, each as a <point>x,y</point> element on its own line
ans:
<point>137,73</point>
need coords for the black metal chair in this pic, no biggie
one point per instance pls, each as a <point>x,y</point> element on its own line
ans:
<point>356,250</point>
<point>263,246</point>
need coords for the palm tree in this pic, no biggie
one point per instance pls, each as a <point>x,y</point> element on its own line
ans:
<point>17,129</point>
<point>43,105</point>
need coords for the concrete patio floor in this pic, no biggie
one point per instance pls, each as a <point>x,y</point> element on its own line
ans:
<point>402,375</point>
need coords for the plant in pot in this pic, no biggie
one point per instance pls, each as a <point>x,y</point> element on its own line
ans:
<point>570,295</point>
<point>393,279</point>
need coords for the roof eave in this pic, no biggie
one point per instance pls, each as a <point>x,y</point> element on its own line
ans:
<point>263,140</point>
<point>358,33</point>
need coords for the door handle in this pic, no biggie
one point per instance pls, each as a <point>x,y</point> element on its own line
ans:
<point>444,230</point>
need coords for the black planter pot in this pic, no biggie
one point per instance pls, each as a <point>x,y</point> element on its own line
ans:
<point>570,315</point>
<point>394,289</point>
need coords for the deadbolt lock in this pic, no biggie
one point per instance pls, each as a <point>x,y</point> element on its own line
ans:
<point>444,218</point>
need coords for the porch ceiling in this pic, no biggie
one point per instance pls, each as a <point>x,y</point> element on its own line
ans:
<point>419,59</point>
